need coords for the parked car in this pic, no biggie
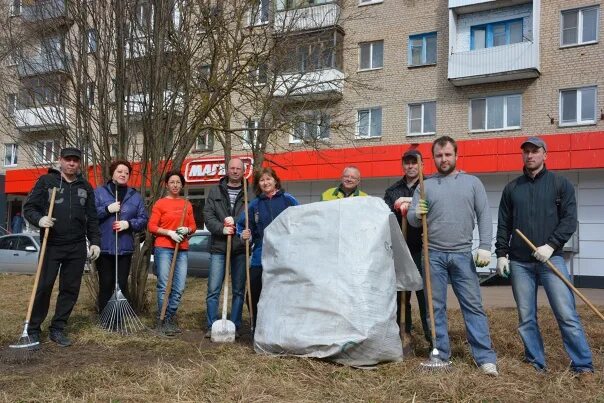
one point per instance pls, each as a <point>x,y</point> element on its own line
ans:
<point>198,256</point>
<point>19,253</point>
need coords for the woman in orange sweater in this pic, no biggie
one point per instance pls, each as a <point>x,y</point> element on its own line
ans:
<point>165,224</point>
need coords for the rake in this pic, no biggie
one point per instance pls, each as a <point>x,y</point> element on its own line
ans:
<point>118,316</point>
<point>24,348</point>
<point>434,362</point>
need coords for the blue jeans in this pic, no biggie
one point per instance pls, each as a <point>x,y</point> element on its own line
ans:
<point>163,259</point>
<point>215,279</point>
<point>525,280</point>
<point>459,267</point>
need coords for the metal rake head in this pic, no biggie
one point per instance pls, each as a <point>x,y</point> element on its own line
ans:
<point>24,350</point>
<point>435,363</point>
<point>119,317</point>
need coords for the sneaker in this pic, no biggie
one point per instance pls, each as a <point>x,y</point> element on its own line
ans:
<point>208,334</point>
<point>34,337</point>
<point>488,368</point>
<point>172,326</point>
<point>59,337</point>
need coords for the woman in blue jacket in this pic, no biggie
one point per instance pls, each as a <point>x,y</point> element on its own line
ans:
<point>269,203</point>
<point>132,217</point>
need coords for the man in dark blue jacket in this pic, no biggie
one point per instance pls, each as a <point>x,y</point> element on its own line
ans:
<point>74,219</point>
<point>542,205</point>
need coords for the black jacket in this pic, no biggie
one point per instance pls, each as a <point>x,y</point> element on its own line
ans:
<point>400,189</point>
<point>543,208</point>
<point>74,209</point>
<point>216,209</point>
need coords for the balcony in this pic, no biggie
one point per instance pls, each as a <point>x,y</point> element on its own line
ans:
<point>500,63</point>
<point>318,85</point>
<point>307,18</point>
<point>44,11</point>
<point>41,118</point>
<point>42,64</point>
<point>470,6</point>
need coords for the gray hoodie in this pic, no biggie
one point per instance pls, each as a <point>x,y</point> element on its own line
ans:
<point>455,201</point>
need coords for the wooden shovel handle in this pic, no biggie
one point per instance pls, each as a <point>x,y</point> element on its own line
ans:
<point>247,257</point>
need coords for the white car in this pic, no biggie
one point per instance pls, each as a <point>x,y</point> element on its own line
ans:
<point>19,253</point>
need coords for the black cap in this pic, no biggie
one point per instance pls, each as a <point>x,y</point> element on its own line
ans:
<point>536,141</point>
<point>71,152</point>
<point>413,153</point>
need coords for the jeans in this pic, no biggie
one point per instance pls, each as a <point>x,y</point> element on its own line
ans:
<point>525,276</point>
<point>459,267</point>
<point>163,259</point>
<point>215,280</point>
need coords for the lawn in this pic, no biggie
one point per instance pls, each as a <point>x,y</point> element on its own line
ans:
<point>107,367</point>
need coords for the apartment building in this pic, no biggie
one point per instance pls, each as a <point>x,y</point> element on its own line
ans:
<point>374,77</point>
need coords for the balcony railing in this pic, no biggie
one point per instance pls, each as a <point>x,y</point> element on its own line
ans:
<point>39,11</point>
<point>313,17</point>
<point>463,3</point>
<point>41,118</point>
<point>318,84</point>
<point>42,64</point>
<point>499,63</point>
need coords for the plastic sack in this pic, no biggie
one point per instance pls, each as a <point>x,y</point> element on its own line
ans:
<point>330,280</point>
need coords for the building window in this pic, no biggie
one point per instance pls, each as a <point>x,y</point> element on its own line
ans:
<point>311,127</point>
<point>11,104</point>
<point>496,113</point>
<point>422,49</point>
<point>92,40</point>
<point>578,106</point>
<point>369,122</point>
<point>579,26</point>
<point>10,154</point>
<point>204,141</point>
<point>371,55</point>
<point>259,13</point>
<point>250,136</point>
<point>47,151</point>
<point>15,8</point>
<point>258,75</point>
<point>422,118</point>
<point>496,34</point>
<point>90,94</point>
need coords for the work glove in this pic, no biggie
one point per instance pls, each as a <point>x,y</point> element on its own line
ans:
<point>543,253</point>
<point>95,252</point>
<point>228,222</point>
<point>422,208</point>
<point>228,230</point>
<point>119,226</point>
<point>184,231</point>
<point>482,258</point>
<point>503,267</point>
<point>402,204</point>
<point>246,234</point>
<point>176,237</point>
<point>46,222</point>
<point>114,207</point>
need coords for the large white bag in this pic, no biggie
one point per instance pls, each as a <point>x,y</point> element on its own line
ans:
<point>329,282</point>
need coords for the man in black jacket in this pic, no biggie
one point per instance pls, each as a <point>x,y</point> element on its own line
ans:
<point>74,219</point>
<point>542,205</point>
<point>223,206</point>
<point>398,197</point>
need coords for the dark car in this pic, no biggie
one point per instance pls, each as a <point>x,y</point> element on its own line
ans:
<point>198,256</point>
<point>19,253</point>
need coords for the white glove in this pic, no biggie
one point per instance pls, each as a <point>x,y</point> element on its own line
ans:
<point>114,207</point>
<point>46,222</point>
<point>228,230</point>
<point>184,231</point>
<point>121,225</point>
<point>543,253</point>
<point>503,267</point>
<point>422,208</point>
<point>228,222</point>
<point>95,251</point>
<point>482,258</point>
<point>176,237</point>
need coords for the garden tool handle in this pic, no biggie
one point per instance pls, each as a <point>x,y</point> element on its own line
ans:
<point>248,285</point>
<point>227,267</point>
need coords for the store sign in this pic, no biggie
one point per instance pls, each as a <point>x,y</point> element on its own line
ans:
<point>210,170</point>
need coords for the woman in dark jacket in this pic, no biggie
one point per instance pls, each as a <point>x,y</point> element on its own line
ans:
<point>269,203</point>
<point>131,217</point>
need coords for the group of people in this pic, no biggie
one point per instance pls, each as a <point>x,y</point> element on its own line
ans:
<point>540,203</point>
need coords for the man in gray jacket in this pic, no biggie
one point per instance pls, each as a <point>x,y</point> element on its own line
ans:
<point>223,205</point>
<point>452,200</point>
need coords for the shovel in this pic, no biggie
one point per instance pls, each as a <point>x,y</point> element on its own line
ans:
<point>223,330</point>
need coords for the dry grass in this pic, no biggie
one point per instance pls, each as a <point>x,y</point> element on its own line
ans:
<point>105,367</point>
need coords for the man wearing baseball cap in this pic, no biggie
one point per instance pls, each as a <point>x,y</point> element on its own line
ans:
<point>542,205</point>
<point>73,220</point>
<point>398,197</point>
